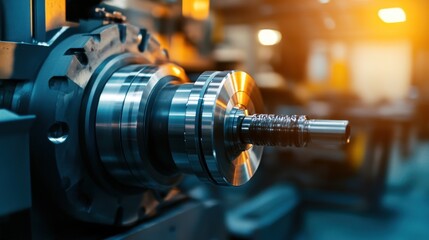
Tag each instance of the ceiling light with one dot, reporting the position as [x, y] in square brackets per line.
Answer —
[269, 37]
[324, 1]
[392, 15]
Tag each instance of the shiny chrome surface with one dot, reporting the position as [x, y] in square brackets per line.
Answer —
[293, 130]
[226, 92]
[328, 132]
[192, 135]
[177, 128]
[121, 122]
[202, 122]
[108, 123]
[153, 125]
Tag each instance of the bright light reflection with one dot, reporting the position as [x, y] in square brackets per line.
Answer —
[269, 37]
[392, 15]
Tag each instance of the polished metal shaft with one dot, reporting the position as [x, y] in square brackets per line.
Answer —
[149, 128]
[292, 130]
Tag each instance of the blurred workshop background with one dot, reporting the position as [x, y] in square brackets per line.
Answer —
[366, 61]
[362, 60]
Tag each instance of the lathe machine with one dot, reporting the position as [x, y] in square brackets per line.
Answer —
[98, 128]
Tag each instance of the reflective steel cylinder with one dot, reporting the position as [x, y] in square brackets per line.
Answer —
[152, 125]
[292, 130]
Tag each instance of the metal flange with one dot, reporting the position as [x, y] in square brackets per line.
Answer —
[210, 149]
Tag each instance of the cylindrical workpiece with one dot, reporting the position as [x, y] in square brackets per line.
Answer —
[292, 130]
[328, 132]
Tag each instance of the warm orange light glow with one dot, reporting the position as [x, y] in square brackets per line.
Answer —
[392, 15]
[196, 9]
[55, 13]
[176, 70]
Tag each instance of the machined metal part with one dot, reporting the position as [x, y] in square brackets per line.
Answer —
[122, 124]
[293, 130]
[208, 128]
[223, 138]
[65, 158]
[199, 119]
[117, 125]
